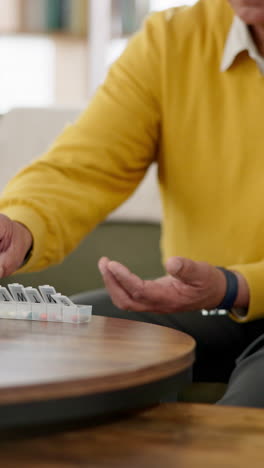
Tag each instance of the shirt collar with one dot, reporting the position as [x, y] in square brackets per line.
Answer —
[238, 40]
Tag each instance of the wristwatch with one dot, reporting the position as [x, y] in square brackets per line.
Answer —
[231, 289]
[231, 294]
[239, 312]
[27, 256]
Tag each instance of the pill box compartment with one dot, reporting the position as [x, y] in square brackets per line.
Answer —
[77, 314]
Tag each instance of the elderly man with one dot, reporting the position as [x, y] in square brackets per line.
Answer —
[188, 92]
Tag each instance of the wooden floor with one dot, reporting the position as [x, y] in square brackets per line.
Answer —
[177, 435]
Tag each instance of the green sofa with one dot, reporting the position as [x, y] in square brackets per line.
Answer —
[134, 244]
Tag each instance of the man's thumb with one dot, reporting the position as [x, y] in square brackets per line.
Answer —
[186, 270]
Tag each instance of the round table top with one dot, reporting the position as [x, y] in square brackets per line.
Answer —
[42, 361]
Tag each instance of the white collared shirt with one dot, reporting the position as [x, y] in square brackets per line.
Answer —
[238, 40]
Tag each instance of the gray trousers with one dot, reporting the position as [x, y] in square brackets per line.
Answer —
[226, 351]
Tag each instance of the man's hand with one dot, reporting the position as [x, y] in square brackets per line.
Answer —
[189, 286]
[15, 241]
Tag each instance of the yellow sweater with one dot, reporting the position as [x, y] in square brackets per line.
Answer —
[165, 99]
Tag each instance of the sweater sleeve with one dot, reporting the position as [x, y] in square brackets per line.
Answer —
[254, 274]
[97, 162]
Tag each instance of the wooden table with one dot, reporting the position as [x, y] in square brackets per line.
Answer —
[176, 435]
[52, 372]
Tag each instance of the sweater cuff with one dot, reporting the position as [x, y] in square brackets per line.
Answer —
[36, 225]
[254, 275]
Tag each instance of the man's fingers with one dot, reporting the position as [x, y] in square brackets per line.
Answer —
[6, 232]
[121, 297]
[131, 283]
[7, 264]
[147, 293]
[102, 264]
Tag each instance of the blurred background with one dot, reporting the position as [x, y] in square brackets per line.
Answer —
[56, 52]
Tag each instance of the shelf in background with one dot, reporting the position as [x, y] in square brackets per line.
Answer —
[70, 16]
[52, 35]
[49, 76]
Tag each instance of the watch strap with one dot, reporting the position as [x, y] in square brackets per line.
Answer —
[231, 289]
[27, 256]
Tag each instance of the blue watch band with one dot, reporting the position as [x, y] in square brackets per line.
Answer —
[231, 289]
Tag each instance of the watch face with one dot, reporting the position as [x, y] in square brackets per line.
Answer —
[239, 312]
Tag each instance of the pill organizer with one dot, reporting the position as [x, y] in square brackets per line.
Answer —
[42, 304]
